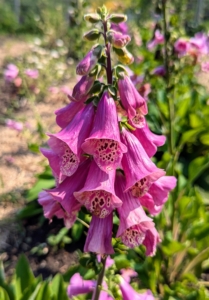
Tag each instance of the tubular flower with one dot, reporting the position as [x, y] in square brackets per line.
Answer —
[104, 140]
[140, 171]
[134, 104]
[79, 286]
[63, 194]
[135, 227]
[100, 235]
[89, 61]
[81, 89]
[157, 40]
[67, 143]
[67, 113]
[117, 39]
[53, 208]
[130, 294]
[98, 194]
[149, 140]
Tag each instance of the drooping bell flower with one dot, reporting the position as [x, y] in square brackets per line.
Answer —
[129, 293]
[160, 189]
[89, 61]
[135, 227]
[52, 208]
[79, 286]
[157, 40]
[67, 113]
[98, 193]
[11, 72]
[181, 46]
[127, 274]
[200, 43]
[134, 104]
[148, 202]
[12, 124]
[140, 171]
[159, 71]
[149, 140]
[104, 140]
[121, 27]
[100, 235]
[63, 194]
[117, 39]
[67, 143]
[32, 73]
[81, 89]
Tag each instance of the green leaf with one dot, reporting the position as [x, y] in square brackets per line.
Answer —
[190, 135]
[204, 138]
[122, 262]
[195, 120]
[77, 231]
[199, 231]
[3, 294]
[170, 248]
[42, 292]
[38, 187]
[197, 166]
[58, 288]
[32, 209]
[2, 275]
[24, 273]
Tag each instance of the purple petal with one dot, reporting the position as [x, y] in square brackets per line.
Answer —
[100, 236]
[79, 286]
[67, 113]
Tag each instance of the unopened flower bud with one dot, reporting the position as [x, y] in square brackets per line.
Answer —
[92, 35]
[92, 18]
[89, 61]
[117, 39]
[124, 56]
[118, 18]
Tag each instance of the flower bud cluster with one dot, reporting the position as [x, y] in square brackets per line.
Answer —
[101, 157]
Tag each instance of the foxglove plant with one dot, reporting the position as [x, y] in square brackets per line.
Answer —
[101, 157]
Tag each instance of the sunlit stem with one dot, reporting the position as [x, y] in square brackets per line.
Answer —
[100, 279]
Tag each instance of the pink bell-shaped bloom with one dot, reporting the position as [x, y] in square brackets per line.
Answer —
[98, 194]
[89, 61]
[148, 202]
[181, 46]
[129, 293]
[127, 274]
[159, 71]
[53, 159]
[53, 208]
[104, 140]
[149, 140]
[140, 171]
[67, 143]
[121, 27]
[157, 40]
[133, 102]
[67, 113]
[200, 43]
[135, 227]
[81, 89]
[11, 73]
[117, 39]
[79, 286]
[160, 189]
[63, 194]
[99, 235]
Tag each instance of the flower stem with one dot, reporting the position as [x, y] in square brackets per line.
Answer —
[100, 279]
[108, 46]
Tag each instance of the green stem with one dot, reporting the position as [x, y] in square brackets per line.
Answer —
[100, 279]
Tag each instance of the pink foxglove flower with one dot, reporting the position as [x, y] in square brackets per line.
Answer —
[11, 72]
[205, 67]
[98, 194]
[81, 89]
[63, 194]
[161, 188]
[79, 286]
[127, 274]
[200, 43]
[133, 102]
[148, 201]
[89, 61]
[117, 39]
[181, 46]
[104, 140]
[129, 293]
[32, 73]
[140, 171]
[67, 113]
[53, 208]
[159, 71]
[67, 143]
[14, 124]
[157, 40]
[121, 27]
[149, 140]
[100, 236]
[135, 227]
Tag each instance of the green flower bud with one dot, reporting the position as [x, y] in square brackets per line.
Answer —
[92, 18]
[124, 56]
[117, 18]
[92, 35]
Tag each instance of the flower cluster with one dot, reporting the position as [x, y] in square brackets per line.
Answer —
[101, 157]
